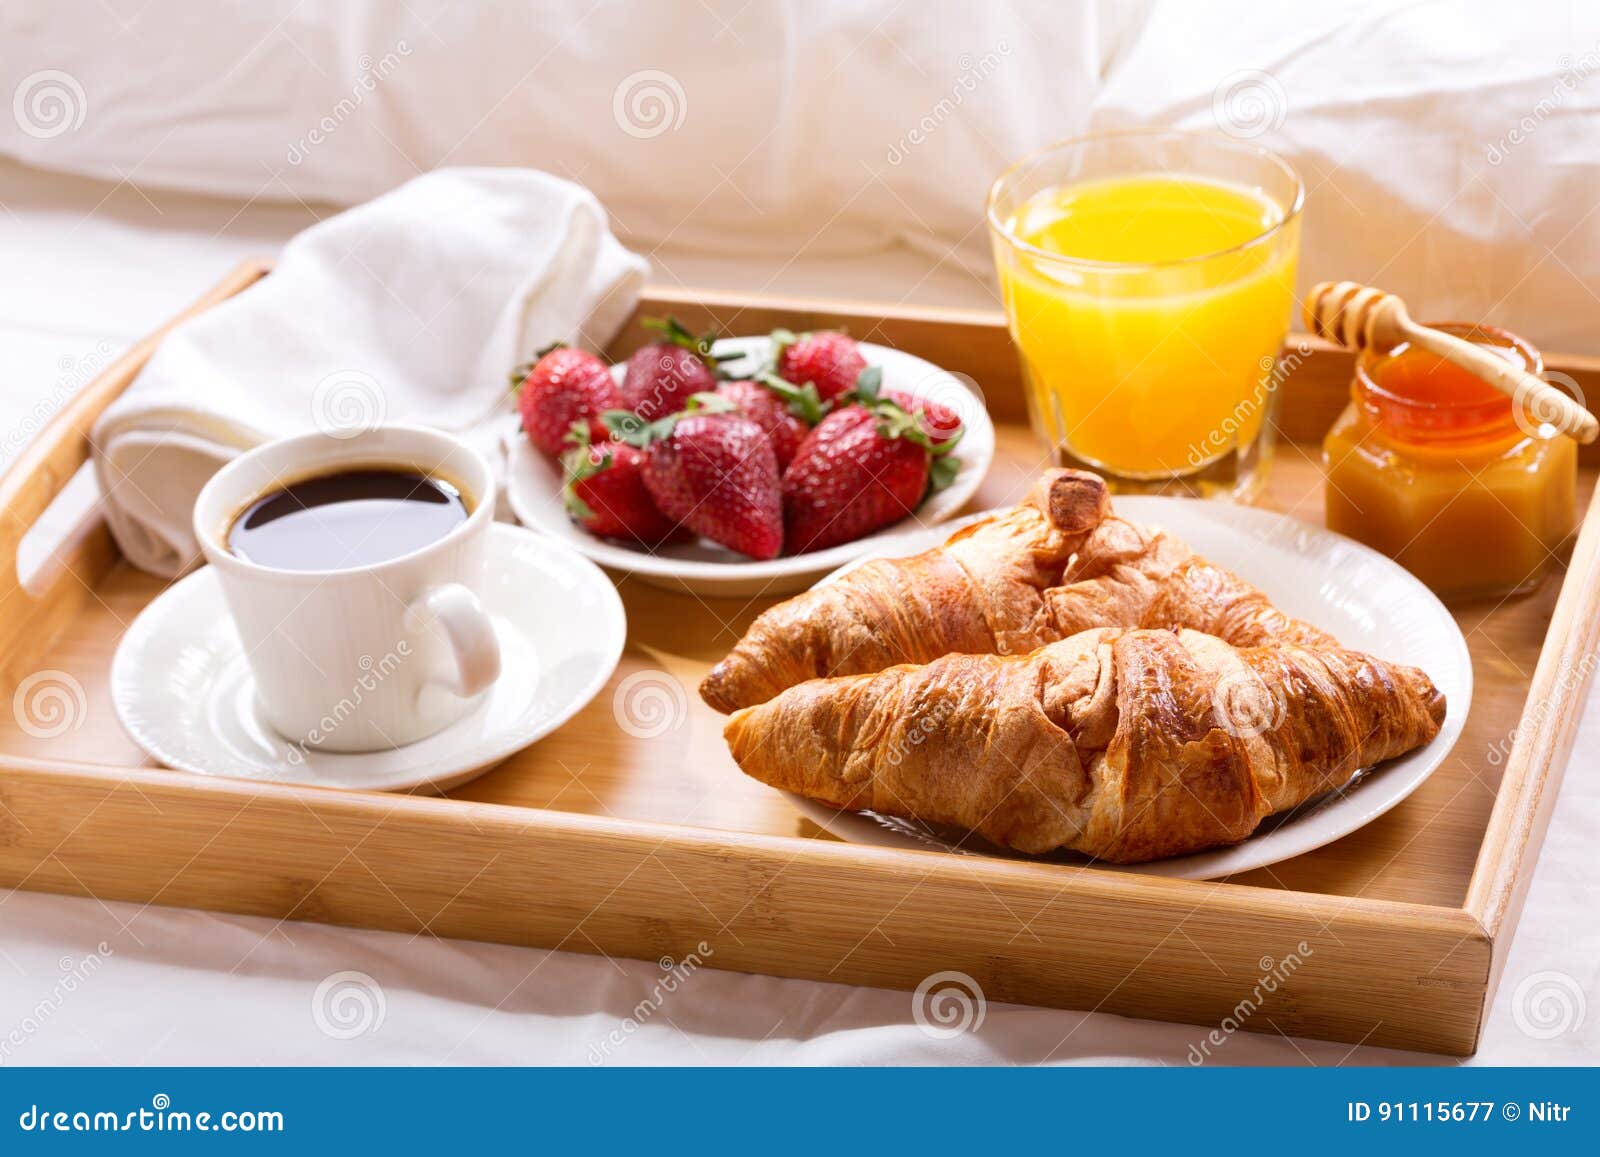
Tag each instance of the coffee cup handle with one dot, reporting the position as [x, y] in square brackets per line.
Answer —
[470, 633]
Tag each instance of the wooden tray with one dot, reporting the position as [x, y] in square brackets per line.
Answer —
[599, 841]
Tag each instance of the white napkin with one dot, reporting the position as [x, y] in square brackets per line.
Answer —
[411, 308]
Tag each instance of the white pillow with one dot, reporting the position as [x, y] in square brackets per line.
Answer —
[1451, 151]
[1449, 148]
[733, 125]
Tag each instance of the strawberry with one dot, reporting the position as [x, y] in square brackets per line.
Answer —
[712, 470]
[938, 421]
[831, 361]
[605, 491]
[565, 387]
[785, 412]
[863, 467]
[941, 423]
[662, 376]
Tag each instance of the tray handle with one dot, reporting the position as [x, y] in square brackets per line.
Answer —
[33, 613]
[1541, 747]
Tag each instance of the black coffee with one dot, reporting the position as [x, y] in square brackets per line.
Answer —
[348, 519]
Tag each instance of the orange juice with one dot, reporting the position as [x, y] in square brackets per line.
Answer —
[1148, 308]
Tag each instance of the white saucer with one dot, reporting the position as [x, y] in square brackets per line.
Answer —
[183, 690]
[533, 487]
[1368, 602]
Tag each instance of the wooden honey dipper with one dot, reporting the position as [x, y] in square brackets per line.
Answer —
[1360, 317]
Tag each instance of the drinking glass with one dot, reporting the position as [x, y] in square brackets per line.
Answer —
[1148, 281]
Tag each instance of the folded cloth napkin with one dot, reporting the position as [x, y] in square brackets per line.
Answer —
[411, 308]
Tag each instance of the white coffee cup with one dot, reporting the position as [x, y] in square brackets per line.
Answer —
[370, 657]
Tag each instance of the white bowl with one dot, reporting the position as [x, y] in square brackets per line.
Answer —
[533, 487]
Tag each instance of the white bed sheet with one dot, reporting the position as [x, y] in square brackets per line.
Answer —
[1447, 145]
[90, 268]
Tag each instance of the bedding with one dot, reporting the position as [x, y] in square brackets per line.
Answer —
[759, 130]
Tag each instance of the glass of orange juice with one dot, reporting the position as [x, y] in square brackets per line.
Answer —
[1148, 279]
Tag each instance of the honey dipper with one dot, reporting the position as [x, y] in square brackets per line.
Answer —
[1359, 317]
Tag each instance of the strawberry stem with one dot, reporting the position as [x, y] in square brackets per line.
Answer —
[520, 371]
[895, 422]
[676, 333]
[782, 339]
[943, 448]
[803, 401]
[578, 464]
[626, 426]
[868, 392]
[868, 384]
[576, 506]
[673, 330]
[942, 472]
[708, 403]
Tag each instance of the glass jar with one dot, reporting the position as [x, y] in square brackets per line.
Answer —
[1441, 472]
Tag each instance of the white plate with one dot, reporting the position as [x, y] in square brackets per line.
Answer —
[1368, 602]
[533, 487]
[183, 689]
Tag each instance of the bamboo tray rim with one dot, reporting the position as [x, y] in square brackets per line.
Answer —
[1501, 867]
[1482, 896]
[478, 816]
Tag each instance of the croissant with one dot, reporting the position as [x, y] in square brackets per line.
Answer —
[1058, 563]
[1125, 745]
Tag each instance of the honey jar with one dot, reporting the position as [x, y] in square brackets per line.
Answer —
[1443, 473]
